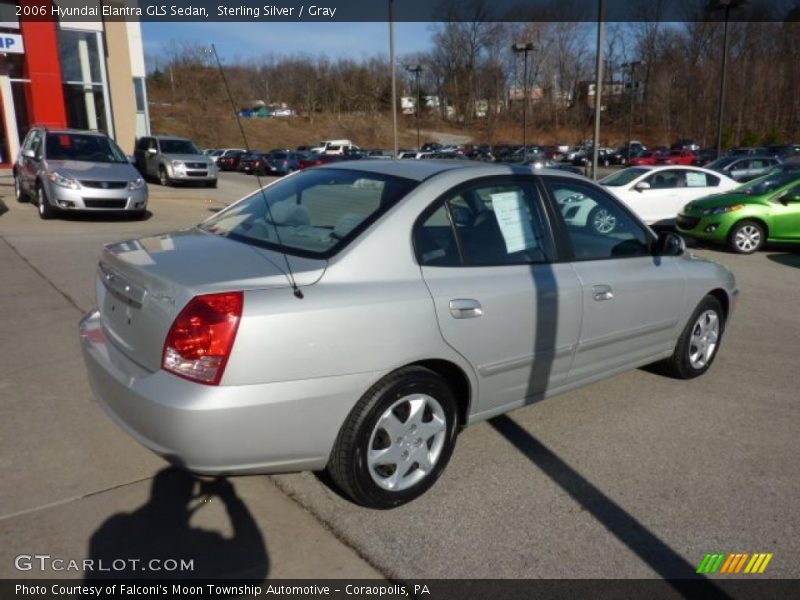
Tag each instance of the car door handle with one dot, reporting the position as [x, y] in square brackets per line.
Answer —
[602, 292]
[465, 308]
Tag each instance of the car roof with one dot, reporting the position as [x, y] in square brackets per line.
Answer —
[420, 170]
[67, 130]
[174, 137]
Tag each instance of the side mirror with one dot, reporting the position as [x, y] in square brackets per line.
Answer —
[670, 244]
[29, 153]
[152, 151]
[641, 186]
[788, 197]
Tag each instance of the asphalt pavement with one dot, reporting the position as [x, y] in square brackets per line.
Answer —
[636, 476]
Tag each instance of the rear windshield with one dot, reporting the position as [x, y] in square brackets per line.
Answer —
[769, 184]
[314, 213]
[623, 177]
[180, 147]
[84, 148]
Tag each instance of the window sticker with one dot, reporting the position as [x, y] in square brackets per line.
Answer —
[514, 220]
[695, 179]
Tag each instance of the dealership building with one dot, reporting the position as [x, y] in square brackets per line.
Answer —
[86, 75]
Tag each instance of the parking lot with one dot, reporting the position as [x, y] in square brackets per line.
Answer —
[638, 476]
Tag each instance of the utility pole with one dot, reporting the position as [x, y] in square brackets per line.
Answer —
[416, 69]
[598, 92]
[725, 5]
[632, 65]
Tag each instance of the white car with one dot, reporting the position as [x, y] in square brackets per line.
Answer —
[217, 154]
[658, 193]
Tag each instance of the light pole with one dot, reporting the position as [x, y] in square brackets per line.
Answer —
[598, 92]
[725, 5]
[416, 69]
[524, 49]
[394, 76]
[632, 65]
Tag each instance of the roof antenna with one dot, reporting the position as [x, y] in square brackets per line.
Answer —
[289, 274]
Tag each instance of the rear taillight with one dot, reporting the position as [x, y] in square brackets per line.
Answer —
[200, 340]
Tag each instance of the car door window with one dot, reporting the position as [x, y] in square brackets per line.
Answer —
[700, 179]
[597, 226]
[485, 225]
[666, 180]
[34, 142]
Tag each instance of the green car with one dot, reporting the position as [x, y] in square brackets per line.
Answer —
[764, 210]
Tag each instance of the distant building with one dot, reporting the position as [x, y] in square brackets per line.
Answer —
[587, 89]
[86, 75]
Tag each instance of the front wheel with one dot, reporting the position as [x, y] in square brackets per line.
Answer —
[46, 211]
[698, 345]
[746, 237]
[601, 220]
[19, 193]
[211, 184]
[163, 178]
[397, 440]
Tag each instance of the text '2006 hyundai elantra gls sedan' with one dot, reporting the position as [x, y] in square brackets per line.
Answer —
[354, 318]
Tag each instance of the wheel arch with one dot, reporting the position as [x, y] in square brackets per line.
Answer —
[757, 219]
[456, 378]
[722, 295]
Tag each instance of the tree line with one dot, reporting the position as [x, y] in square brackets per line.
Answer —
[475, 80]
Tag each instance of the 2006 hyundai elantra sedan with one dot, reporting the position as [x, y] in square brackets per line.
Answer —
[355, 317]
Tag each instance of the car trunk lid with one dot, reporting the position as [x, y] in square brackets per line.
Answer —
[143, 284]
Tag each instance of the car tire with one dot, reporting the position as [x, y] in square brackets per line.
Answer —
[43, 206]
[408, 416]
[137, 215]
[163, 178]
[211, 184]
[601, 220]
[746, 237]
[19, 193]
[700, 339]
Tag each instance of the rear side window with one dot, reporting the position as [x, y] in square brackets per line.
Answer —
[488, 224]
[596, 224]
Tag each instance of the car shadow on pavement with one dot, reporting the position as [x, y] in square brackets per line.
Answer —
[104, 217]
[625, 527]
[788, 259]
[159, 535]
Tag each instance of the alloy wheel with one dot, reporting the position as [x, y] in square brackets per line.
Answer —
[747, 238]
[704, 339]
[406, 442]
[603, 221]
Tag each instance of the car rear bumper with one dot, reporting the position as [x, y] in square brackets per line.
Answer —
[220, 430]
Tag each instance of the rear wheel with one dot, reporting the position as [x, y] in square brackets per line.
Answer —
[46, 211]
[397, 440]
[698, 345]
[746, 237]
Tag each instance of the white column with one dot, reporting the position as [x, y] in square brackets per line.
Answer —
[88, 88]
[9, 119]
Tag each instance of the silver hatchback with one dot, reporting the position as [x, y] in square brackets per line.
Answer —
[67, 170]
[355, 317]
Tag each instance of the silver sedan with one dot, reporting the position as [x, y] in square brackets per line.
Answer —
[355, 317]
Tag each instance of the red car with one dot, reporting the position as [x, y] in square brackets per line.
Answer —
[317, 159]
[229, 162]
[677, 157]
[648, 157]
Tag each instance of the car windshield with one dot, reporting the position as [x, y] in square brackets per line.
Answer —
[315, 213]
[278, 156]
[83, 148]
[623, 177]
[179, 147]
[769, 184]
[721, 163]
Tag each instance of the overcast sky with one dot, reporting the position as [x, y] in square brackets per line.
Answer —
[252, 40]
